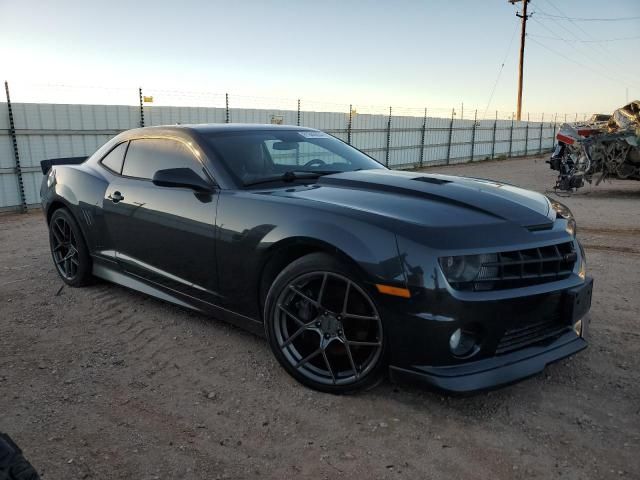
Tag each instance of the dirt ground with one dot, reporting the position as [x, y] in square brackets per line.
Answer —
[107, 383]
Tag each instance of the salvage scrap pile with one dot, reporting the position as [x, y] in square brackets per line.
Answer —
[605, 146]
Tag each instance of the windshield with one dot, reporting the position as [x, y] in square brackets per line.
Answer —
[284, 155]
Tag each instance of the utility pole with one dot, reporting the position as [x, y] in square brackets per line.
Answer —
[523, 31]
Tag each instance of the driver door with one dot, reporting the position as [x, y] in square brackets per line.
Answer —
[164, 235]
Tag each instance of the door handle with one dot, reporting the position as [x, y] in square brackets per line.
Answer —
[116, 197]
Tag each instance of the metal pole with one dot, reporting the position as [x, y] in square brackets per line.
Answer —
[511, 137]
[555, 126]
[541, 127]
[226, 100]
[453, 112]
[16, 153]
[141, 107]
[349, 124]
[493, 140]
[298, 113]
[424, 129]
[386, 161]
[526, 138]
[473, 134]
[523, 35]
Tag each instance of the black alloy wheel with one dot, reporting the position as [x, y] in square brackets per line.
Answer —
[324, 327]
[69, 252]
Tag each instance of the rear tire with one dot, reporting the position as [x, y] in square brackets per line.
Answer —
[323, 326]
[68, 249]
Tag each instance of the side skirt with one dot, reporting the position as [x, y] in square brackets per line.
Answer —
[110, 272]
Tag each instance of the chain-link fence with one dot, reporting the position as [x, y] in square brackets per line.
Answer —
[65, 126]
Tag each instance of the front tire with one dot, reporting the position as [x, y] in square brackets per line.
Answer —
[323, 326]
[68, 249]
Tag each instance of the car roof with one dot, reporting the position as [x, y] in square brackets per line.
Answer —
[205, 128]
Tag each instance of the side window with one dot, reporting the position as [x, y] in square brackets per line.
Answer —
[113, 160]
[148, 155]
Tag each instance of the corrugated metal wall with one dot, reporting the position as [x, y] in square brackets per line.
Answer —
[58, 130]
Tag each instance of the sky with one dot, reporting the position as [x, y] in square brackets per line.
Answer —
[407, 53]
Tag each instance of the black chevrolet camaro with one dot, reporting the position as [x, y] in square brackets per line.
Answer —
[348, 269]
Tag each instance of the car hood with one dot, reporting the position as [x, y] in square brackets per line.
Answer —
[428, 199]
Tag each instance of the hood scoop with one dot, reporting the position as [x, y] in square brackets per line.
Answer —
[432, 180]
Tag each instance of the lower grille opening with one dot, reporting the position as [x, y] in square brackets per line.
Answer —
[525, 335]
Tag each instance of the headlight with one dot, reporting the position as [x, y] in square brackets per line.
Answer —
[563, 211]
[467, 268]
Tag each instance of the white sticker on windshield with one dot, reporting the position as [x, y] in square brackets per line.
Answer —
[314, 134]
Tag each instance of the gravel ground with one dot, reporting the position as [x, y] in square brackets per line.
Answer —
[104, 383]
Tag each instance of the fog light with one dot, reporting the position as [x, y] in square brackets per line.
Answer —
[454, 341]
[462, 343]
[577, 327]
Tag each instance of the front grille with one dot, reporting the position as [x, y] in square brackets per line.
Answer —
[516, 338]
[521, 268]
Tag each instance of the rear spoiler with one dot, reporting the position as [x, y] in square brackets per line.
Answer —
[47, 164]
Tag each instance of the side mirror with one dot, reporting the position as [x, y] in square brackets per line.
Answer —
[181, 178]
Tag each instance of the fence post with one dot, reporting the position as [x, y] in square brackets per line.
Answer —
[298, 113]
[453, 112]
[141, 107]
[349, 124]
[540, 143]
[386, 160]
[424, 129]
[511, 137]
[493, 140]
[555, 126]
[226, 108]
[526, 138]
[16, 153]
[473, 134]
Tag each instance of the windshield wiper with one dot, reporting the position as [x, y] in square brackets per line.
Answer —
[291, 175]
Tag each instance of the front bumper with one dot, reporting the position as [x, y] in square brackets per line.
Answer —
[492, 372]
[419, 350]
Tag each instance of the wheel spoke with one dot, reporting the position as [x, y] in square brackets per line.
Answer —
[56, 235]
[364, 344]
[326, 361]
[295, 335]
[346, 299]
[291, 315]
[324, 282]
[60, 228]
[306, 297]
[359, 317]
[308, 357]
[353, 364]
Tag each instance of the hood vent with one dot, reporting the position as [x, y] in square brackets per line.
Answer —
[432, 180]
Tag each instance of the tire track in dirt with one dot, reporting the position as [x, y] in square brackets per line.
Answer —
[611, 248]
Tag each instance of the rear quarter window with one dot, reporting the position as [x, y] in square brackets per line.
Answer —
[113, 160]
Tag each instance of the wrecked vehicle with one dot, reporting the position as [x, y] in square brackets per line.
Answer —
[605, 146]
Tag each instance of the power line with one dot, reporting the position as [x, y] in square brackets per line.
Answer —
[493, 91]
[577, 19]
[586, 41]
[622, 71]
[577, 63]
